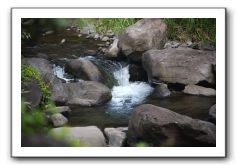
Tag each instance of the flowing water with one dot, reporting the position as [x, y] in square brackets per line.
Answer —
[125, 95]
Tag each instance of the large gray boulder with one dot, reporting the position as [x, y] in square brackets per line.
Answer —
[116, 136]
[45, 69]
[199, 90]
[181, 65]
[158, 126]
[87, 93]
[146, 34]
[84, 69]
[90, 136]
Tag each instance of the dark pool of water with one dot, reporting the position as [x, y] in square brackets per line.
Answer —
[194, 106]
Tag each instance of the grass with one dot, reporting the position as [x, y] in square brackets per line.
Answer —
[191, 29]
[102, 25]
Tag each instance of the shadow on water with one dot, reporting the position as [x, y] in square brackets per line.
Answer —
[106, 115]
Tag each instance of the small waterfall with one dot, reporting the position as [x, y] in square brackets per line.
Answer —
[127, 94]
[60, 73]
[122, 76]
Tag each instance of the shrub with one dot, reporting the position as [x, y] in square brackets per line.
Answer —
[28, 73]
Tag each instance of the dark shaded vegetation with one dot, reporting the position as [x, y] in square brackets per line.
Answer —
[191, 29]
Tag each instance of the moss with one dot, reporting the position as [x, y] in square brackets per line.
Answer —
[109, 79]
[29, 73]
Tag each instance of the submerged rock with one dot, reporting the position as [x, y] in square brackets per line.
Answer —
[90, 136]
[84, 69]
[198, 90]
[146, 34]
[181, 65]
[158, 126]
[116, 136]
[161, 91]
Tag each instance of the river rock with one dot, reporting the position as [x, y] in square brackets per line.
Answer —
[84, 69]
[113, 50]
[146, 34]
[212, 114]
[116, 136]
[45, 69]
[181, 65]
[161, 91]
[31, 94]
[90, 136]
[198, 90]
[105, 39]
[58, 119]
[158, 126]
[172, 44]
[87, 93]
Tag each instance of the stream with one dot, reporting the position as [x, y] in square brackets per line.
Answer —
[125, 95]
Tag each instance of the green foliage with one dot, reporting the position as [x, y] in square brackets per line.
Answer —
[28, 73]
[194, 29]
[114, 24]
[33, 121]
[25, 35]
[102, 25]
[142, 144]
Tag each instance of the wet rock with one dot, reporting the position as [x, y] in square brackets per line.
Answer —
[58, 119]
[161, 91]
[116, 136]
[90, 136]
[79, 35]
[31, 94]
[181, 65]
[113, 50]
[87, 93]
[171, 44]
[64, 110]
[105, 38]
[85, 69]
[48, 33]
[158, 126]
[85, 31]
[212, 114]
[96, 36]
[146, 34]
[198, 90]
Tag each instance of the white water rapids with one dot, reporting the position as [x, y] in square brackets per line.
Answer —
[126, 94]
